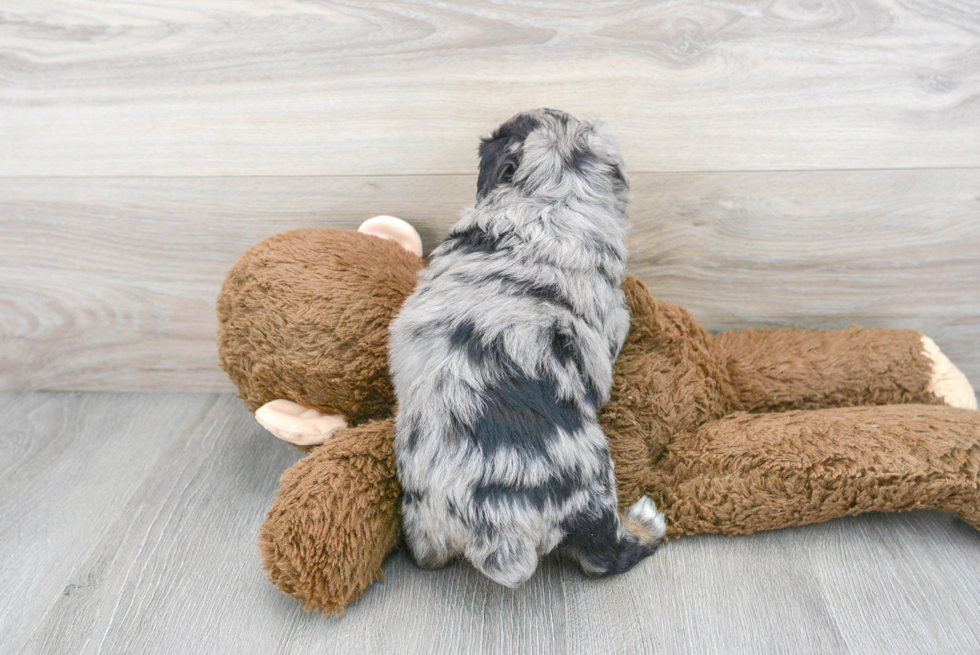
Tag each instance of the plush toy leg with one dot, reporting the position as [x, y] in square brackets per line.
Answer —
[335, 517]
[296, 424]
[775, 370]
[751, 472]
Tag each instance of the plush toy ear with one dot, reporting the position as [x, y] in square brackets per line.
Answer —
[389, 227]
[297, 424]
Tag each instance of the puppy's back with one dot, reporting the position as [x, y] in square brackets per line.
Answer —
[501, 358]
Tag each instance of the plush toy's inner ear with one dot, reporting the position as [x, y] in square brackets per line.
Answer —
[297, 424]
[399, 231]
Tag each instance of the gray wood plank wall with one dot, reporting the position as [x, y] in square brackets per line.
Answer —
[813, 164]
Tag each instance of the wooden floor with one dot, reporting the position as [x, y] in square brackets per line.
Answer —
[128, 525]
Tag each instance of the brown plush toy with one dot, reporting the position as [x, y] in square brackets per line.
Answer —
[732, 433]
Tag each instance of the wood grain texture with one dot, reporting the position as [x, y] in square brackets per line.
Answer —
[110, 284]
[371, 88]
[174, 571]
[68, 466]
[818, 249]
[145, 543]
[882, 562]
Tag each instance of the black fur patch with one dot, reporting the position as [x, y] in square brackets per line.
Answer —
[453, 509]
[548, 293]
[561, 116]
[493, 561]
[499, 158]
[471, 240]
[614, 349]
[555, 490]
[565, 350]
[462, 335]
[608, 277]
[617, 175]
[522, 412]
[584, 163]
[607, 250]
[595, 535]
[478, 351]
[580, 161]
[412, 440]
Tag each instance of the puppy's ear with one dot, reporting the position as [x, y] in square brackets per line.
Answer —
[499, 159]
[603, 145]
[500, 153]
[619, 174]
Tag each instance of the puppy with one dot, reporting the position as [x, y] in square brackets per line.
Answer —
[503, 354]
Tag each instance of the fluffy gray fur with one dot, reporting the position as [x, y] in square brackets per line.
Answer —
[503, 354]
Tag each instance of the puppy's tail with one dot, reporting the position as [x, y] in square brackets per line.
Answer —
[610, 544]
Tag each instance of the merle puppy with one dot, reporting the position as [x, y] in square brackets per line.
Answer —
[503, 354]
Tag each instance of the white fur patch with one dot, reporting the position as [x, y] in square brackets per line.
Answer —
[947, 381]
[644, 511]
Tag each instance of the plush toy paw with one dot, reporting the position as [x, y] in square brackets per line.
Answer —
[389, 227]
[297, 424]
[947, 381]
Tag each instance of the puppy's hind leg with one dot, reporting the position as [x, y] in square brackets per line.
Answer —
[508, 562]
[606, 543]
[426, 551]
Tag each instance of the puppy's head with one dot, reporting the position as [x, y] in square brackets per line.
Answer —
[550, 154]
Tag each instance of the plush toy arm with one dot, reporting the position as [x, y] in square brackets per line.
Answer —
[774, 370]
[335, 517]
[750, 472]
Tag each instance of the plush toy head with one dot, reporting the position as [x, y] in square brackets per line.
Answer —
[304, 316]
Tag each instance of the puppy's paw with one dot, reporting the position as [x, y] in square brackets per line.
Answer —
[430, 559]
[510, 563]
[644, 514]
[946, 381]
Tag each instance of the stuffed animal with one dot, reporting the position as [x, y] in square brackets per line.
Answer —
[732, 433]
